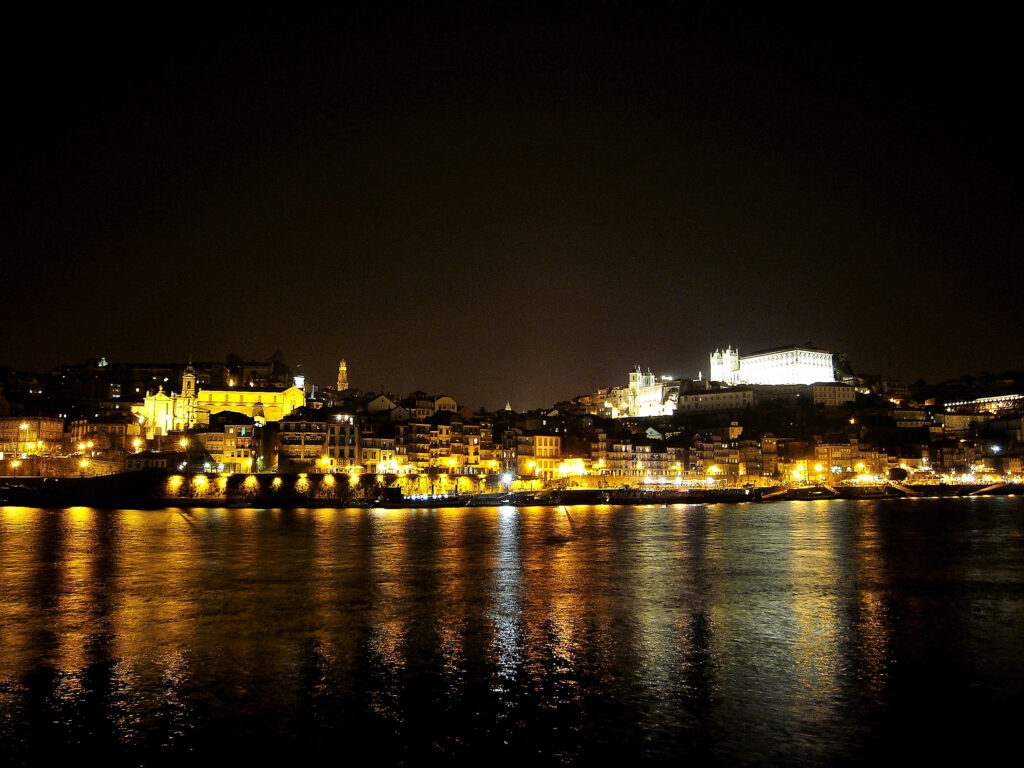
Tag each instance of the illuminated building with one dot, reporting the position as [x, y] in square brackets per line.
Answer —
[645, 395]
[988, 404]
[649, 396]
[538, 456]
[230, 446]
[639, 458]
[30, 435]
[377, 452]
[422, 406]
[112, 432]
[260, 404]
[163, 413]
[782, 365]
[343, 443]
[342, 376]
[301, 442]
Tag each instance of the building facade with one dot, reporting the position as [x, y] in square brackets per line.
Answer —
[782, 365]
[162, 413]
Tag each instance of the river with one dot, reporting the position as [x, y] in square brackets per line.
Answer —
[792, 633]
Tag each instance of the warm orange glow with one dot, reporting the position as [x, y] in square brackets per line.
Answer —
[572, 467]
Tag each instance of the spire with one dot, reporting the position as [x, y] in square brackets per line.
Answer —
[342, 376]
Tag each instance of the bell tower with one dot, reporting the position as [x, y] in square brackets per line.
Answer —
[188, 382]
[342, 376]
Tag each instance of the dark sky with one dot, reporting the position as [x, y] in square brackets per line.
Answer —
[515, 203]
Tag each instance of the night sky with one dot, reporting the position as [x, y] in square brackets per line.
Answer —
[515, 203]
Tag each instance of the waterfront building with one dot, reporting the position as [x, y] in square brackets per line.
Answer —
[164, 460]
[301, 442]
[377, 451]
[120, 432]
[31, 435]
[231, 444]
[344, 442]
[538, 455]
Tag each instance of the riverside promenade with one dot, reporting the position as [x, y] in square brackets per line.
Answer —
[158, 489]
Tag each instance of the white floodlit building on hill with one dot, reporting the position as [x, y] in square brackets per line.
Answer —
[783, 365]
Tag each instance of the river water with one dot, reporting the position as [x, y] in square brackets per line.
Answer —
[793, 633]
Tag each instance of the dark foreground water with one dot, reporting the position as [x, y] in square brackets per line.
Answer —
[789, 633]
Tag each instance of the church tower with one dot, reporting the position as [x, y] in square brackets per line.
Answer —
[184, 405]
[342, 376]
[188, 382]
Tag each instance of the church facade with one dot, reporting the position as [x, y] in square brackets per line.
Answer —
[162, 413]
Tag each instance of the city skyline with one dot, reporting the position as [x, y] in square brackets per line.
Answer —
[505, 205]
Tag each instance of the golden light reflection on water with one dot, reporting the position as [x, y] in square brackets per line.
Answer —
[816, 611]
[756, 622]
[506, 609]
[872, 620]
[775, 593]
[389, 607]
